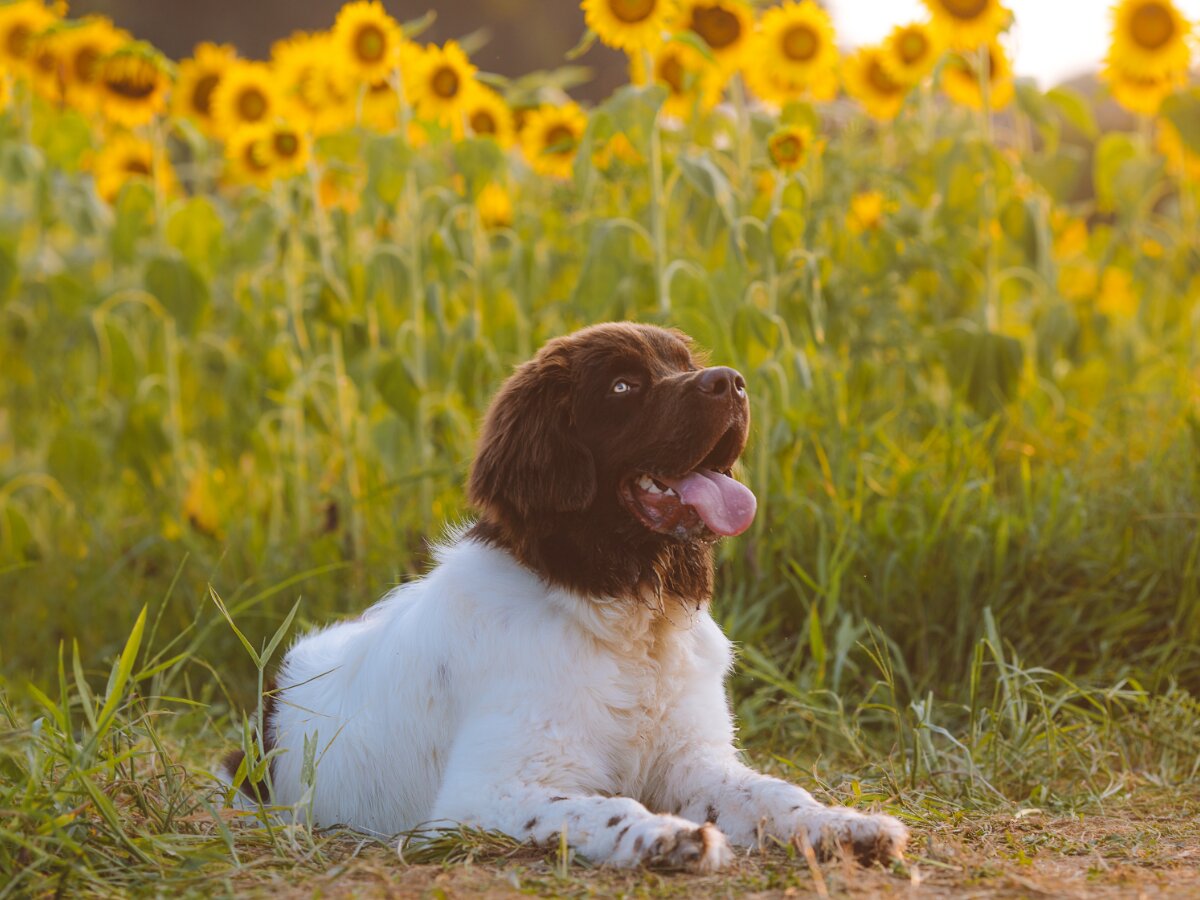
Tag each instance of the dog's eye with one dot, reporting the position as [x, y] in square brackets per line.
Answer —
[623, 386]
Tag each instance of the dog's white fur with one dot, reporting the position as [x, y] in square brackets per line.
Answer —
[482, 695]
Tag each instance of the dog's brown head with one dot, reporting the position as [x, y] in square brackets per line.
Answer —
[604, 463]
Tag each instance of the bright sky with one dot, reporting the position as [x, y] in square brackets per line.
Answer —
[1052, 40]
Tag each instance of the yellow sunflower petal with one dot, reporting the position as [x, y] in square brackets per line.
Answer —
[693, 83]
[868, 82]
[725, 26]
[133, 84]
[367, 40]
[443, 83]
[199, 78]
[246, 96]
[1149, 38]
[550, 136]
[794, 50]
[124, 157]
[911, 51]
[962, 84]
[965, 24]
[629, 25]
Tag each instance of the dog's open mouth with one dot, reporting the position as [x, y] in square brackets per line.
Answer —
[702, 503]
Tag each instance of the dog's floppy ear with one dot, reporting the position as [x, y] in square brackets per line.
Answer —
[529, 461]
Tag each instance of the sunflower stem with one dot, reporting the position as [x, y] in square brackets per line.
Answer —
[992, 261]
[658, 212]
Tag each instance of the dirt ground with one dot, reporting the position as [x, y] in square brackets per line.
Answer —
[1120, 853]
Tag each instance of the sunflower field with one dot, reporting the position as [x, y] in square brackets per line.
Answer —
[251, 312]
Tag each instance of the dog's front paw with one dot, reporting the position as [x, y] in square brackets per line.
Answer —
[673, 843]
[870, 838]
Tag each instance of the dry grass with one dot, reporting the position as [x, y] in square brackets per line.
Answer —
[1142, 846]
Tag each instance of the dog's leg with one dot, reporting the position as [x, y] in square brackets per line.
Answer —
[614, 831]
[748, 806]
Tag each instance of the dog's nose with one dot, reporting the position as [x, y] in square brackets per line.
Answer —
[719, 380]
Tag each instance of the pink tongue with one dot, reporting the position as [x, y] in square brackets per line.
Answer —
[726, 506]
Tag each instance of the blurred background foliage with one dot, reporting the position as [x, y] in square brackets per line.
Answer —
[252, 351]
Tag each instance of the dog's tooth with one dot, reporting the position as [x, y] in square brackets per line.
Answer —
[654, 488]
[646, 483]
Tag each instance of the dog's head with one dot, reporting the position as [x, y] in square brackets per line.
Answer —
[605, 461]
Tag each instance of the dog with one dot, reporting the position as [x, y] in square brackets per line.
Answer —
[558, 669]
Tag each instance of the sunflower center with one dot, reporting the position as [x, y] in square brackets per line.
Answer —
[135, 83]
[880, 79]
[800, 43]
[17, 42]
[964, 9]
[718, 27]
[253, 159]
[672, 73]
[483, 122]
[137, 167]
[913, 46]
[46, 62]
[787, 149]
[370, 43]
[445, 82]
[285, 144]
[251, 104]
[1152, 26]
[631, 11]
[560, 139]
[84, 63]
[202, 93]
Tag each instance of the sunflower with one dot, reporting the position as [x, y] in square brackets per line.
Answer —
[45, 66]
[1149, 38]
[868, 81]
[20, 24]
[911, 51]
[962, 84]
[198, 81]
[629, 25]
[788, 147]
[287, 149]
[133, 83]
[248, 154]
[367, 39]
[443, 81]
[124, 158]
[83, 45]
[245, 96]
[964, 24]
[725, 26]
[794, 48]
[487, 115]
[866, 212]
[550, 136]
[1141, 94]
[381, 105]
[495, 206]
[768, 85]
[692, 81]
[313, 92]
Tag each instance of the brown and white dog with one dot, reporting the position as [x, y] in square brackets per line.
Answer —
[558, 668]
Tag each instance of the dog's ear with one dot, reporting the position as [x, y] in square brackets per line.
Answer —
[529, 460]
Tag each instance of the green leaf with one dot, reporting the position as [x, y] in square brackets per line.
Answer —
[985, 367]
[134, 219]
[397, 385]
[75, 458]
[1183, 111]
[388, 159]
[706, 177]
[1123, 174]
[120, 675]
[195, 229]
[179, 288]
[1074, 108]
